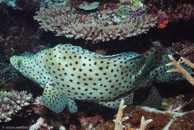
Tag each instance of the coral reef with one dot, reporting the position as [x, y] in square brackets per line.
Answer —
[171, 11]
[22, 4]
[182, 49]
[99, 26]
[182, 70]
[11, 103]
[117, 26]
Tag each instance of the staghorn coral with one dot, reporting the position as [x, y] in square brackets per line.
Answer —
[97, 27]
[120, 119]
[181, 69]
[11, 103]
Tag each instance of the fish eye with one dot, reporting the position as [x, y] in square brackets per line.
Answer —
[19, 64]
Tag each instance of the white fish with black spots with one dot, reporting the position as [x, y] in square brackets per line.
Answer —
[68, 72]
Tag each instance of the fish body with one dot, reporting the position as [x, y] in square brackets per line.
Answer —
[80, 74]
[68, 73]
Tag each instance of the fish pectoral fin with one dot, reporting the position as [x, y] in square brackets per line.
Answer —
[54, 99]
[71, 106]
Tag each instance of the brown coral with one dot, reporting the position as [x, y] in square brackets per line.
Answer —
[97, 27]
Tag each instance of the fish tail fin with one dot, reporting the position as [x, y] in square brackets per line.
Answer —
[159, 71]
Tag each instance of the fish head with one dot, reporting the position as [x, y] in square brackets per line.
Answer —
[18, 63]
[25, 65]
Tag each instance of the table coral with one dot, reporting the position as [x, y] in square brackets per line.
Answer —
[99, 26]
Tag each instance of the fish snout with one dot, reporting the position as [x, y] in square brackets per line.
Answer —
[16, 61]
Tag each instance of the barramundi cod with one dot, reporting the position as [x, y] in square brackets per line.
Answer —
[68, 73]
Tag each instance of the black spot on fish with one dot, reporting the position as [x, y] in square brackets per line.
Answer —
[104, 73]
[100, 68]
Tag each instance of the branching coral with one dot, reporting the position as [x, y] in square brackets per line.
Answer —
[11, 103]
[97, 27]
[119, 119]
[180, 69]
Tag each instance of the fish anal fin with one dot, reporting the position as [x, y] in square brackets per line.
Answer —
[71, 106]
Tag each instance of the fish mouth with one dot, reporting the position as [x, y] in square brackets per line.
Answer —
[13, 60]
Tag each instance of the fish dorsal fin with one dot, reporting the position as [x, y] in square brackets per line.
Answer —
[78, 49]
[128, 55]
[54, 99]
